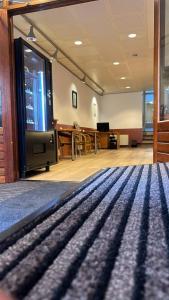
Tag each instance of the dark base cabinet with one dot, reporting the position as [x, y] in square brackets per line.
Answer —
[37, 143]
[40, 151]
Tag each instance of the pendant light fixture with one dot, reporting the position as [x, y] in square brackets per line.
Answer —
[31, 36]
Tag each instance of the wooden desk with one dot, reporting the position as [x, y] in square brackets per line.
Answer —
[104, 139]
[72, 133]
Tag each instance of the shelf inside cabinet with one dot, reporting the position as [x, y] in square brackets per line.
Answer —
[29, 107]
[30, 75]
[30, 122]
[28, 92]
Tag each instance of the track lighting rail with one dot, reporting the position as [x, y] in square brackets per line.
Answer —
[58, 49]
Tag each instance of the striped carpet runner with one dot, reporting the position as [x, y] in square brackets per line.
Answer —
[108, 240]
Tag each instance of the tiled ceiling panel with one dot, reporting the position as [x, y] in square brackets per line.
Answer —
[103, 27]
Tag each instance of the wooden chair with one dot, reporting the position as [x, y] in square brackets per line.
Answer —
[86, 143]
[83, 140]
[82, 144]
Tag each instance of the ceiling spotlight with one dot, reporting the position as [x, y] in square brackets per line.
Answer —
[84, 79]
[28, 50]
[123, 78]
[31, 36]
[128, 87]
[116, 63]
[55, 54]
[78, 43]
[132, 35]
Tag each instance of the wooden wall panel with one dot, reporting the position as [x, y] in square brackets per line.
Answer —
[2, 158]
[163, 126]
[133, 133]
[162, 157]
[1, 147]
[2, 163]
[163, 147]
[163, 137]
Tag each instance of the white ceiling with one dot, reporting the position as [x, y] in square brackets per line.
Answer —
[103, 27]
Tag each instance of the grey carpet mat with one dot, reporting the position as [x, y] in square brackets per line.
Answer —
[108, 240]
[21, 199]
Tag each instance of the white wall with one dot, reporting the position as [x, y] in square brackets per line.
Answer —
[123, 110]
[87, 112]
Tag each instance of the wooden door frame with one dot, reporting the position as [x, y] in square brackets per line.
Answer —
[156, 74]
[161, 128]
[9, 164]
[40, 5]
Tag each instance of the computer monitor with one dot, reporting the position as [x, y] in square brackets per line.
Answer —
[103, 127]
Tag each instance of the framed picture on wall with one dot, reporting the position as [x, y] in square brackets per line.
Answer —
[74, 99]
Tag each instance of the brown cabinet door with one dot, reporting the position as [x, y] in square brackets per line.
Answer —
[161, 82]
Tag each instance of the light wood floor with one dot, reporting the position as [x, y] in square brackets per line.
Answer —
[84, 166]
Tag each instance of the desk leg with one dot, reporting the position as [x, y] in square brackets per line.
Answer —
[118, 141]
[95, 142]
[73, 148]
[57, 147]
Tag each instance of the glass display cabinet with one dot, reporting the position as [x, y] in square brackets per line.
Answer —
[34, 108]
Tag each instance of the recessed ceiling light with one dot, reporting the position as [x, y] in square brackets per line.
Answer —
[128, 87]
[132, 35]
[123, 78]
[78, 43]
[116, 63]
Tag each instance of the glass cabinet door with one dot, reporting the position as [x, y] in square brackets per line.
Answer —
[164, 61]
[35, 91]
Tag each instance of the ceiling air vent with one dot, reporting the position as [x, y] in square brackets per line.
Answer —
[134, 54]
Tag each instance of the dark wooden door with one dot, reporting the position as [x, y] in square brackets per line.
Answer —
[161, 81]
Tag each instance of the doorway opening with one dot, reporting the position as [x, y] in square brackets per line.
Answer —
[148, 103]
[108, 72]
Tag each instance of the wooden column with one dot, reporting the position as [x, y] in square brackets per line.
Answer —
[9, 163]
[156, 72]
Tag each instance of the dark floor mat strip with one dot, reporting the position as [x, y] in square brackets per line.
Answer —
[17, 253]
[45, 253]
[113, 250]
[97, 282]
[126, 260]
[139, 276]
[164, 207]
[67, 268]
[27, 228]
[156, 263]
